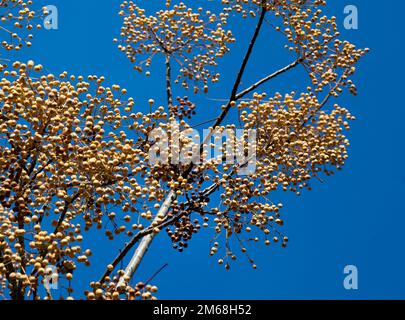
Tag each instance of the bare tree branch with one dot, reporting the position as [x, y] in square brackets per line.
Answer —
[267, 78]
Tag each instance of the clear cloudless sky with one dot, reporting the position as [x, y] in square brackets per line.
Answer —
[355, 218]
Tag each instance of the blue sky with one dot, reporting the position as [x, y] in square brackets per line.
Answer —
[355, 218]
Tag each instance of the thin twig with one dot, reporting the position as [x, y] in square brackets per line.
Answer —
[241, 72]
[267, 78]
[169, 84]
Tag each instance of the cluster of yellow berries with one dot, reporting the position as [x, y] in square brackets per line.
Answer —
[315, 38]
[15, 17]
[192, 40]
[250, 7]
[296, 142]
[109, 290]
[66, 162]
